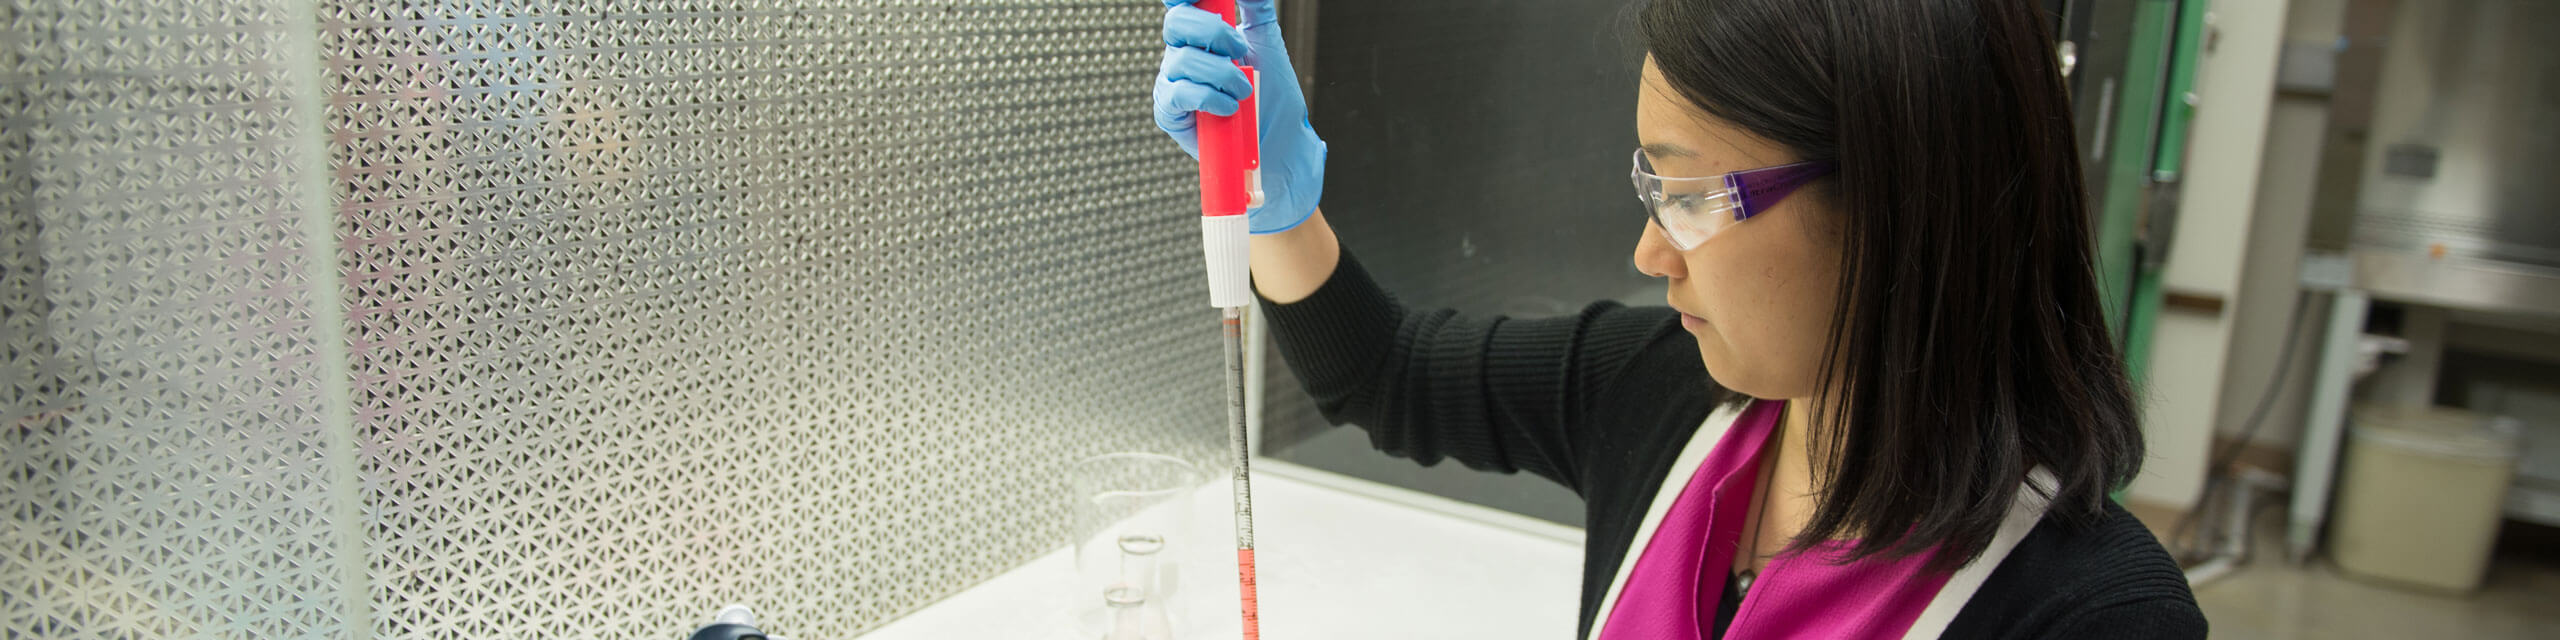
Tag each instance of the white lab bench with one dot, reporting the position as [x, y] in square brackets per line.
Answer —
[1340, 558]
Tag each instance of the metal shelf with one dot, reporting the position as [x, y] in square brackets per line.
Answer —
[2535, 500]
[2489, 286]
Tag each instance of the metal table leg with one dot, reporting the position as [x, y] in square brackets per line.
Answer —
[2315, 468]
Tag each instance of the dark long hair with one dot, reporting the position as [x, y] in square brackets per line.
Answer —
[1969, 346]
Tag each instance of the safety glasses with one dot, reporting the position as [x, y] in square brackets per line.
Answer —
[1690, 210]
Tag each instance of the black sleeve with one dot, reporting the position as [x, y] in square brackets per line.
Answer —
[2160, 618]
[2104, 579]
[1497, 394]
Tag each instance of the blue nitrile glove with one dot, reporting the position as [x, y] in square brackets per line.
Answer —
[1199, 74]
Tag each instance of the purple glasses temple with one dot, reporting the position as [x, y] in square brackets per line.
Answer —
[1690, 210]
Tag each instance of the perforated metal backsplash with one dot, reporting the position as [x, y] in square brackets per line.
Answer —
[439, 318]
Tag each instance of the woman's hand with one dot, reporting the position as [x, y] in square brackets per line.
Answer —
[1199, 74]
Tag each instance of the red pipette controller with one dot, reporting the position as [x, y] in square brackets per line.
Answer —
[1230, 184]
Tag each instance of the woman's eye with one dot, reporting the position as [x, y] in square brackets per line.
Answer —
[1688, 204]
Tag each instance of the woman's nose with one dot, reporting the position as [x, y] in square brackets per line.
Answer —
[1655, 255]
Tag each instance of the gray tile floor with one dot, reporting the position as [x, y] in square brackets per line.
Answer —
[2272, 599]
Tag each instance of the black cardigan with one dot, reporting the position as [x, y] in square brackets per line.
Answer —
[1603, 401]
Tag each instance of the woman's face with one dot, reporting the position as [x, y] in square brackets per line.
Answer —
[1759, 295]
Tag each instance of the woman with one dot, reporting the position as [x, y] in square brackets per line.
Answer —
[1881, 402]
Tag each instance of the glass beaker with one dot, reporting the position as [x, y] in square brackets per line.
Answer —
[1134, 617]
[1133, 522]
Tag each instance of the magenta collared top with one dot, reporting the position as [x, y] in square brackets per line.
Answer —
[1672, 591]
